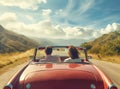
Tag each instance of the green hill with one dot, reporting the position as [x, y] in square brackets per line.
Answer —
[108, 44]
[13, 42]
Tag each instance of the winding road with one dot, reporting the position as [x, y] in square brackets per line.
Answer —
[110, 69]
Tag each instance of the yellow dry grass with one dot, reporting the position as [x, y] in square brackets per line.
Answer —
[6, 59]
[114, 59]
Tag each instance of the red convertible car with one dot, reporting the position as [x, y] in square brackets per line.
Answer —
[60, 75]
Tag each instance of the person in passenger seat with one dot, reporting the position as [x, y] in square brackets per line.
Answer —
[73, 55]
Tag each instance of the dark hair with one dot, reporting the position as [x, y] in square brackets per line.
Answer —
[48, 50]
[73, 52]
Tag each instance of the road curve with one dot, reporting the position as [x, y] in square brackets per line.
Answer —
[112, 70]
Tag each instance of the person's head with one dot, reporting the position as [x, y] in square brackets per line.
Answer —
[48, 50]
[73, 52]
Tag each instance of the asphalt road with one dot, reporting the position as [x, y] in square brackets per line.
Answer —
[4, 78]
[110, 69]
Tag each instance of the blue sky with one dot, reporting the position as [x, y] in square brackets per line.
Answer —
[69, 19]
[96, 13]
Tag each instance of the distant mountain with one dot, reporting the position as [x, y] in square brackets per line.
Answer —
[59, 42]
[108, 44]
[75, 42]
[43, 41]
[13, 42]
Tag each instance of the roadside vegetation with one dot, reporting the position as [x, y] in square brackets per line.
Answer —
[10, 60]
[114, 59]
[12, 42]
[107, 47]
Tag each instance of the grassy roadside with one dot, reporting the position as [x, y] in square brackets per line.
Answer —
[8, 61]
[114, 59]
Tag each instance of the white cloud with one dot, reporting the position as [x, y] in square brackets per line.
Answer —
[45, 29]
[116, 26]
[85, 6]
[8, 17]
[110, 28]
[46, 12]
[24, 4]
[58, 12]
[80, 33]
[29, 17]
[75, 10]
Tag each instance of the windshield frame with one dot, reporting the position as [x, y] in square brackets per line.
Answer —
[42, 48]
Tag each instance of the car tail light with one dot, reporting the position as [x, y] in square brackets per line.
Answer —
[113, 87]
[9, 86]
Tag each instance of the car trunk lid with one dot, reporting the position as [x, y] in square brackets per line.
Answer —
[61, 79]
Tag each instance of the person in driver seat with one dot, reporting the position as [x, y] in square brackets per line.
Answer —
[73, 55]
[49, 57]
